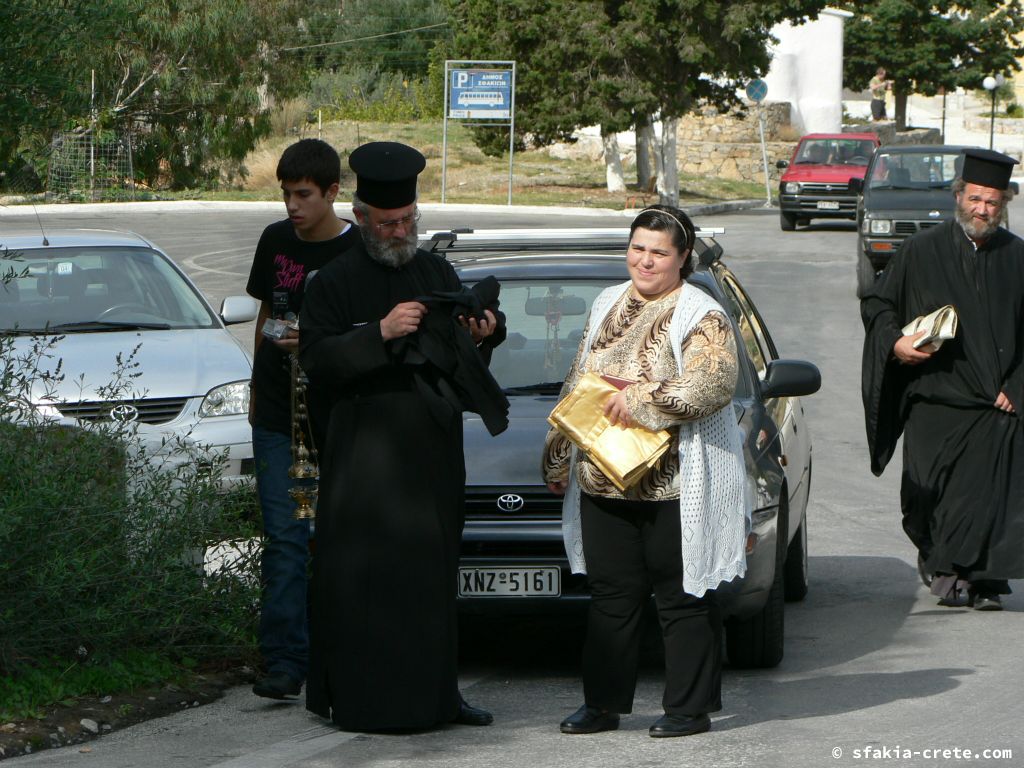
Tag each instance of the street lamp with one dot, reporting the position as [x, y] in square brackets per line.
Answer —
[991, 83]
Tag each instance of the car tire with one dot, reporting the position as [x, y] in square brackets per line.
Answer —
[787, 221]
[795, 570]
[866, 274]
[757, 642]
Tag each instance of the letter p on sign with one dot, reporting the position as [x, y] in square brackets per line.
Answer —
[461, 78]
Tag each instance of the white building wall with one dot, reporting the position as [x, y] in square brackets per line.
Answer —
[807, 71]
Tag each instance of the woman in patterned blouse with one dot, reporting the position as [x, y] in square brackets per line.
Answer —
[631, 539]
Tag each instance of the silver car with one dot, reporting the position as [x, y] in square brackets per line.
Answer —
[103, 301]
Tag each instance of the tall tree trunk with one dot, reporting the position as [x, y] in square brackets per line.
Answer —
[668, 178]
[644, 148]
[900, 97]
[612, 162]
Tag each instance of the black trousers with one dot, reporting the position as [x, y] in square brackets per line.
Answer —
[633, 548]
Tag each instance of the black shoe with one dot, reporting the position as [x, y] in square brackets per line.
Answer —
[589, 720]
[277, 686]
[922, 571]
[985, 602]
[472, 715]
[680, 725]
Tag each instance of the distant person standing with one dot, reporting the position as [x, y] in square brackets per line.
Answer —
[878, 86]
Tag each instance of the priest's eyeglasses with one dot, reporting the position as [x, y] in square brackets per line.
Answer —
[405, 221]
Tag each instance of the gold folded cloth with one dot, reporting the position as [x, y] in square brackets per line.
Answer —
[938, 326]
[623, 454]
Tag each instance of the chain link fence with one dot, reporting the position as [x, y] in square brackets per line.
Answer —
[85, 167]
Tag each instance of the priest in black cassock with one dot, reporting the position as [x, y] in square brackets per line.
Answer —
[958, 407]
[383, 631]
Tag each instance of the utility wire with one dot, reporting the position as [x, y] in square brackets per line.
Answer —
[360, 39]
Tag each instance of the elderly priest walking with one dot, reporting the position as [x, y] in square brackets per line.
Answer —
[959, 406]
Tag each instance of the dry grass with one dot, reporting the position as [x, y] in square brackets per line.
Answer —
[472, 177]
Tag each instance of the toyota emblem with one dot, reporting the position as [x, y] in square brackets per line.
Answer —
[124, 413]
[510, 502]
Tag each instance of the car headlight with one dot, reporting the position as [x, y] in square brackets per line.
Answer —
[790, 187]
[881, 226]
[226, 400]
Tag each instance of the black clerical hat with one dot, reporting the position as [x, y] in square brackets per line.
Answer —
[987, 168]
[386, 173]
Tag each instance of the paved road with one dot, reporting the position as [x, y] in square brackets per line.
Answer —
[871, 662]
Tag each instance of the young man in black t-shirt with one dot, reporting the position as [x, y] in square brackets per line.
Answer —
[288, 253]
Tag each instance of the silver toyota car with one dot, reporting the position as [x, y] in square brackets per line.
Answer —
[102, 302]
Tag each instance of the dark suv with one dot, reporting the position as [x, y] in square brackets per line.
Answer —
[907, 188]
[512, 553]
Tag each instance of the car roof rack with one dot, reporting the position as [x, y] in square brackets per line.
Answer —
[451, 241]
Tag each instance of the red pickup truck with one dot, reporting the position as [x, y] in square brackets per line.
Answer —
[815, 184]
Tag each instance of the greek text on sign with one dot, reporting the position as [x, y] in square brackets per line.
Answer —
[480, 93]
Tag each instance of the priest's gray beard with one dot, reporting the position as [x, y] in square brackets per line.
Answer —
[393, 252]
[976, 230]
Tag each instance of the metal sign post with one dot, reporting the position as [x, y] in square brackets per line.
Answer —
[486, 91]
[756, 91]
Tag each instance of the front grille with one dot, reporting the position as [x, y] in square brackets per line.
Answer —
[825, 190]
[908, 228]
[538, 504]
[151, 410]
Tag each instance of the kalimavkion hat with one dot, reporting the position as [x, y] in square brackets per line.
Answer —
[987, 168]
[386, 173]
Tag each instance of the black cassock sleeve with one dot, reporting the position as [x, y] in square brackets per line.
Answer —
[883, 379]
[330, 347]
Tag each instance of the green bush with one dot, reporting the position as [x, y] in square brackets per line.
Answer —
[368, 94]
[103, 541]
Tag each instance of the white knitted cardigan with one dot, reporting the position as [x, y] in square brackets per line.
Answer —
[714, 494]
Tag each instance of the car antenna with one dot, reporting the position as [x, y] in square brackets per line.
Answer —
[40, 223]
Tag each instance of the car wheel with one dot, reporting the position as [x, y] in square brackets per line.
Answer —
[795, 571]
[866, 274]
[757, 642]
[787, 221]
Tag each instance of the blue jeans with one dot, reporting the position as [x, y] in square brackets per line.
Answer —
[284, 635]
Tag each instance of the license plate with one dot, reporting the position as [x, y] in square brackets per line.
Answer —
[828, 205]
[510, 582]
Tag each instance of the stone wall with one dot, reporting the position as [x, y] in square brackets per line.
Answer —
[728, 146]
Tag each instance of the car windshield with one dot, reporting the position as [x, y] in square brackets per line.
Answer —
[914, 170]
[545, 321]
[834, 152]
[95, 288]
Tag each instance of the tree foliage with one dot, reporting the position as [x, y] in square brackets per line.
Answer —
[189, 78]
[391, 35]
[615, 62]
[926, 46]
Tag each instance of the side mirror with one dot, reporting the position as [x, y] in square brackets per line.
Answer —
[239, 309]
[856, 184]
[782, 164]
[790, 378]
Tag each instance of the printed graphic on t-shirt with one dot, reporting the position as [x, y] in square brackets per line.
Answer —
[288, 274]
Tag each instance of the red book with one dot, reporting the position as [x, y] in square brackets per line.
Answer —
[616, 381]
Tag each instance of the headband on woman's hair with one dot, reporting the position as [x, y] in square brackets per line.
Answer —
[686, 232]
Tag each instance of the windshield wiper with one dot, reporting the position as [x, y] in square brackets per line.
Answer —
[545, 388]
[104, 325]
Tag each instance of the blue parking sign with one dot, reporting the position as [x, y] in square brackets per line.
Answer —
[480, 93]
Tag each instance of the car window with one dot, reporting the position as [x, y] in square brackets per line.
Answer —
[758, 344]
[545, 321]
[57, 286]
[914, 170]
[835, 151]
